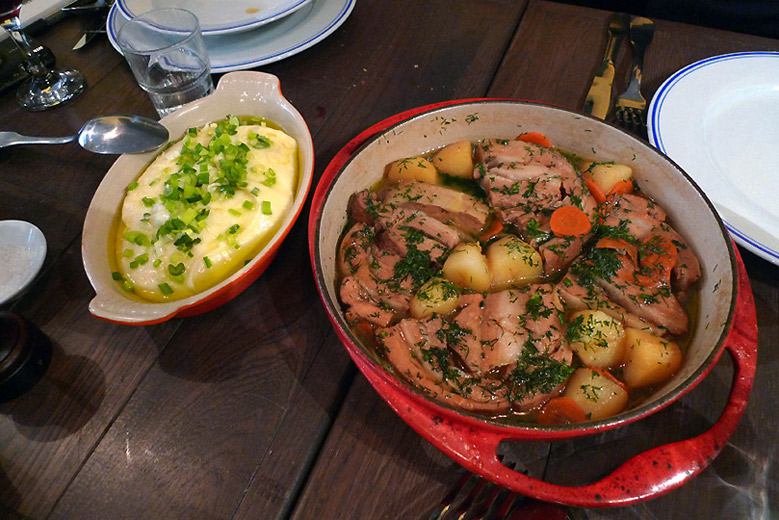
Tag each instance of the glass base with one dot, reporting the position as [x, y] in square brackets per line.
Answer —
[51, 89]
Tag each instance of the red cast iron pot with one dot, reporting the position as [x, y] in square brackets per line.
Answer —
[726, 317]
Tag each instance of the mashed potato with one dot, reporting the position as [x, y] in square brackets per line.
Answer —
[203, 208]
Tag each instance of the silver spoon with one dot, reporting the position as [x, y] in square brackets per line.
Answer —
[106, 135]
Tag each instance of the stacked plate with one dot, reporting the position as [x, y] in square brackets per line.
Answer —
[243, 34]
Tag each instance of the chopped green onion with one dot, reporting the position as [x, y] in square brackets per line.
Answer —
[233, 229]
[165, 289]
[270, 178]
[185, 243]
[117, 276]
[148, 202]
[156, 263]
[139, 260]
[255, 191]
[234, 212]
[127, 285]
[192, 132]
[132, 186]
[266, 209]
[207, 261]
[176, 270]
[136, 237]
[128, 253]
[189, 215]
[248, 204]
[260, 141]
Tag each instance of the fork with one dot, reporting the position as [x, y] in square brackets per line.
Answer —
[630, 108]
[484, 500]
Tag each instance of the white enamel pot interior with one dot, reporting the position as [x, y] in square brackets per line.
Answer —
[688, 209]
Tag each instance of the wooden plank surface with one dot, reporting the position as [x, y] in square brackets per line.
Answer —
[253, 410]
[47, 434]
[529, 72]
[552, 58]
[228, 419]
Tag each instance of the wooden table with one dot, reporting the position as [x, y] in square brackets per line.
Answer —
[254, 410]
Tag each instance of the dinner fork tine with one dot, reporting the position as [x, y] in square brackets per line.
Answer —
[630, 108]
[476, 485]
[449, 499]
[464, 510]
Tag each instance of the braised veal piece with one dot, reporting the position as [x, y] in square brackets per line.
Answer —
[508, 277]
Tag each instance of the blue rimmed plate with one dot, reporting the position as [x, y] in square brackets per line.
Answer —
[718, 118]
[220, 17]
[273, 42]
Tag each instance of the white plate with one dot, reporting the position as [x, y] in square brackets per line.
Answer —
[22, 251]
[718, 119]
[274, 42]
[220, 17]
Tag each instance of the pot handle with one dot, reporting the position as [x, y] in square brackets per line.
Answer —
[647, 475]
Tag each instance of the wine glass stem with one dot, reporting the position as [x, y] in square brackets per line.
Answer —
[35, 64]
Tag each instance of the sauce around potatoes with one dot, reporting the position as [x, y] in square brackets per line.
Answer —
[509, 278]
[204, 207]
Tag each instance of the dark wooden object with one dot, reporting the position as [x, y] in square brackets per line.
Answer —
[254, 411]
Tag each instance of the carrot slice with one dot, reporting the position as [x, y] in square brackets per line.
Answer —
[623, 186]
[656, 265]
[363, 329]
[600, 197]
[535, 138]
[561, 410]
[570, 221]
[491, 231]
[619, 245]
[608, 375]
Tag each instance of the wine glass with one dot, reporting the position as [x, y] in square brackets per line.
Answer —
[46, 87]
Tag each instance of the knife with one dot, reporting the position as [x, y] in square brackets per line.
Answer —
[598, 100]
[87, 37]
[94, 22]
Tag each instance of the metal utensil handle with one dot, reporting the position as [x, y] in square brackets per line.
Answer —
[616, 31]
[641, 32]
[12, 139]
[598, 99]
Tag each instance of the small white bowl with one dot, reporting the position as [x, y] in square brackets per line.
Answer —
[238, 93]
[22, 251]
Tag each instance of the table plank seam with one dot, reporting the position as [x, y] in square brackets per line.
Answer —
[110, 423]
[310, 462]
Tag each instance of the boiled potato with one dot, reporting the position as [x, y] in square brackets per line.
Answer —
[512, 261]
[649, 359]
[597, 392]
[455, 159]
[413, 168]
[608, 174]
[466, 267]
[597, 338]
[436, 296]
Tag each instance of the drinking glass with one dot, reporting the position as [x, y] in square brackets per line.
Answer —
[168, 57]
[46, 87]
